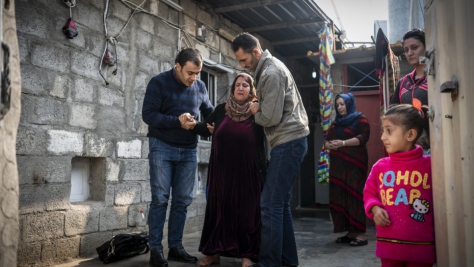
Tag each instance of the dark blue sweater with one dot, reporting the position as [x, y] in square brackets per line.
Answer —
[165, 100]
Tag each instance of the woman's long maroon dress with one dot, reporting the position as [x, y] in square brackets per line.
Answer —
[232, 222]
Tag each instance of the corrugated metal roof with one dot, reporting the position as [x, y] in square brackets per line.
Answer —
[290, 25]
[356, 55]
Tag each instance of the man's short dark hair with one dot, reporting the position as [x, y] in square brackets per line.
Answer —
[189, 54]
[246, 41]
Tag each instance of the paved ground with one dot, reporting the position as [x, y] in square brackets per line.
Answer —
[314, 237]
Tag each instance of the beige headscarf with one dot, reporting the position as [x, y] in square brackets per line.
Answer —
[240, 110]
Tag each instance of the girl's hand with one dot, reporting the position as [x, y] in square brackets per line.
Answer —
[381, 217]
[211, 127]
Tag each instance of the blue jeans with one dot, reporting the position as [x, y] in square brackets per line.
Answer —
[170, 167]
[278, 237]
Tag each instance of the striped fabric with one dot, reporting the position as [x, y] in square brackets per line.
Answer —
[325, 97]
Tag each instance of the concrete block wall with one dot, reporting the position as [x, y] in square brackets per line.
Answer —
[69, 112]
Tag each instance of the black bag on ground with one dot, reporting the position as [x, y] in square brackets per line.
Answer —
[123, 246]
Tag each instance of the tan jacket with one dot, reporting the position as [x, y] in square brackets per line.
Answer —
[282, 113]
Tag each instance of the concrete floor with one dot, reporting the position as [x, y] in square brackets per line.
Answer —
[314, 238]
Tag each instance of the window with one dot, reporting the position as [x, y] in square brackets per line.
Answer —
[88, 179]
[209, 78]
[80, 179]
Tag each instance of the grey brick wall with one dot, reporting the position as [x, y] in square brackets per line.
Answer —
[69, 112]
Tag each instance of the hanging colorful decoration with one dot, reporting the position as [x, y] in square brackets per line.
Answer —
[325, 96]
[70, 29]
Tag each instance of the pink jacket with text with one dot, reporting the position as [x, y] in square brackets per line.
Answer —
[401, 184]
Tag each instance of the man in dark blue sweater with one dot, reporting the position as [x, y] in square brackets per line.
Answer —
[172, 155]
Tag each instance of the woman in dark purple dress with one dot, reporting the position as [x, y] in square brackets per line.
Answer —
[236, 169]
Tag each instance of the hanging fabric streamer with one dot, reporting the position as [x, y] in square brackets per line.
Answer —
[70, 29]
[325, 96]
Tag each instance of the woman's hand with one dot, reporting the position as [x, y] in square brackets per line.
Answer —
[334, 144]
[381, 217]
[211, 127]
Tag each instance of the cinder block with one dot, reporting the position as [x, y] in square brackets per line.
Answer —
[90, 241]
[135, 170]
[126, 194]
[109, 195]
[44, 169]
[82, 115]
[64, 142]
[56, 196]
[189, 8]
[30, 20]
[97, 146]
[110, 97]
[145, 149]
[206, 53]
[143, 40]
[24, 50]
[48, 111]
[190, 23]
[35, 80]
[59, 250]
[147, 24]
[141, 82]
[123, 53]
[146, 191]
[167, 33]
[61, 86]
[147, 64]
[115, 26]
[28, 253]
[31, 199]
[37, 198]
[119, 10]
[205, 17]
[161, 50]
[129, 149]
[81, 222]
[112, 218]
[94, 42]
[31, 141]
[83, 91]
[142, 127]
[85, 64]
[50, 57]
[113, 170]
[89, 17]
[112, 121]
[42, 226]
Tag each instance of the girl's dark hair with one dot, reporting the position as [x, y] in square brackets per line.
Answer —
[249, 80]
[409, 117]
[416, 33]
[246, 41]
[189, 54]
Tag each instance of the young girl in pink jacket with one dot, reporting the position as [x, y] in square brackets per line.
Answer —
[397, 194]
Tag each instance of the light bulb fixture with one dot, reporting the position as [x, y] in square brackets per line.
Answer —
[314, 73]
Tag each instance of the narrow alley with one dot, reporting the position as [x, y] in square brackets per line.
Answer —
[314, 237]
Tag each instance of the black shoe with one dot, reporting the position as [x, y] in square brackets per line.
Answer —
[284, 263]
[157, 259]
[179, 254]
